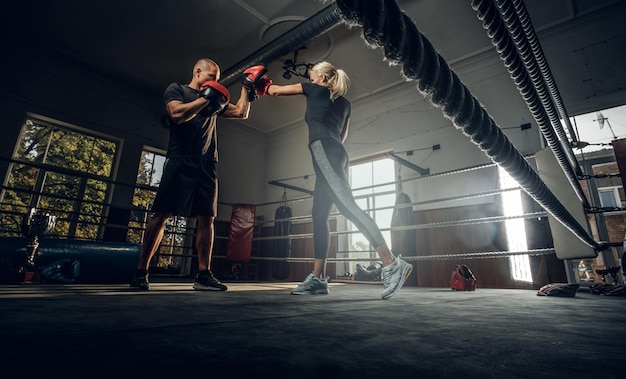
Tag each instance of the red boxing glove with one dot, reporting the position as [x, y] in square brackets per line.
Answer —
[217, 95]
[263, 85]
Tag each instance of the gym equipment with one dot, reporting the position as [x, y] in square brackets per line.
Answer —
[100, 262]
[240, 234]
[462, 279]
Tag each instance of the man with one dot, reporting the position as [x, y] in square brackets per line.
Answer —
[189, 183]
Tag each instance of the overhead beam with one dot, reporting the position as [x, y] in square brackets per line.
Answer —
[289, 186]
[412, 166]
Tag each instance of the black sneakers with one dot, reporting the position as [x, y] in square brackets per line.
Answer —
[205, 281]
[140, 281]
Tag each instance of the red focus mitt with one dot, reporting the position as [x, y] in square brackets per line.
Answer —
[251, 77]
[217, 95]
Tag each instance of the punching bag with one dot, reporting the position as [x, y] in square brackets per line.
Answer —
[282, 246]
[404, 241]
[240, 233]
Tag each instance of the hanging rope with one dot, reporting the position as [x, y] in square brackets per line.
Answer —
[385, 25]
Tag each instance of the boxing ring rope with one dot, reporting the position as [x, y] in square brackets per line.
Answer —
[449, 256]
[415, 203]
[531, 37]
[493, 192]
[386, 26]
[524, 71]
[441, 224]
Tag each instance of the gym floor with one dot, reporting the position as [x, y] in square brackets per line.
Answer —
[259, 330]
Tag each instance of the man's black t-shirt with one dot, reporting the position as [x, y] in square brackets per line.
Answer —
[195, 138]
[326, 118]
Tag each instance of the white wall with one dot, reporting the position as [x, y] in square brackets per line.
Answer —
[241, 168]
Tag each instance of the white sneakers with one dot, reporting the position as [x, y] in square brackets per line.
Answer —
[394, 277]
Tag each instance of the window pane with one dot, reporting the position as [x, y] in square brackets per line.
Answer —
[60, 187]
[34, 141]
[607, 198]
[172, 251]
[60, 193]
[383, 216]
[91, 209]
[102, 157]
[515, 228]
[61, 147]
[384, 172]
[371, 199]
[361, 176]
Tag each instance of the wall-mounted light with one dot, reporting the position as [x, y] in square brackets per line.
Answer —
[293, 67]
[522, 127]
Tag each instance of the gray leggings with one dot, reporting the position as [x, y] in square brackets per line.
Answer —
[330, 162]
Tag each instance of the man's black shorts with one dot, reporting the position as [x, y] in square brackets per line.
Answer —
[188, 188]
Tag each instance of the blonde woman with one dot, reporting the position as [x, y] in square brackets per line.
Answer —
[328, 117]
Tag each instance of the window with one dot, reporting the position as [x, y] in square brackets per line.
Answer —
[148, 178]
[371, 191]
[177, 235]
[609, 197]
[610, 190]
[515, 229]
[62, 170]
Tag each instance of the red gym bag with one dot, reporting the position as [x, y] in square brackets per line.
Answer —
[462, 279]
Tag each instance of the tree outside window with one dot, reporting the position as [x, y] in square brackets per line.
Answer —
[62, 170]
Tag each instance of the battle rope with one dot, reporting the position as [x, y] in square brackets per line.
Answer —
[385, 25]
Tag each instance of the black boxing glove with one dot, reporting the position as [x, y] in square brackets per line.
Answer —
[251, 77]
[218, 97]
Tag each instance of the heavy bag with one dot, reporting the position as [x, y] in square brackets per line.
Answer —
[462, 279]
[404, 241]
[282, 246]
[240, 233]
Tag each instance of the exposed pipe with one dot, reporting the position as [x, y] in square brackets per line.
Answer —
[412, 166]
[315, 26]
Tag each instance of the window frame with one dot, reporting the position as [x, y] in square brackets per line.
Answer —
[43, 169]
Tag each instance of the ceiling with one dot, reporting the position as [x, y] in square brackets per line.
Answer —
[150, 43]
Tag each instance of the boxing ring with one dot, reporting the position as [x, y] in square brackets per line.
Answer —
[384, 26]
